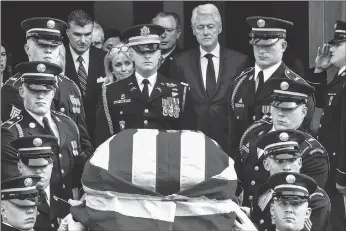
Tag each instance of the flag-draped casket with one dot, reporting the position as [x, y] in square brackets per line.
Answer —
[148, 179]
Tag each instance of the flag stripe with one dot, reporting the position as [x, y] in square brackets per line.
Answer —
[192, 162]
[110, 221]
[144, 159]
[214, 165]
[120, 164]
[168, 163]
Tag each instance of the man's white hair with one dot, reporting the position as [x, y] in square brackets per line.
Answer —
[206, 9]
[98, 29]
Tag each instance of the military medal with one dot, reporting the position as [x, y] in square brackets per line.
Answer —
[176, 107]
[170, 107]
[74, 148]
[164, 107]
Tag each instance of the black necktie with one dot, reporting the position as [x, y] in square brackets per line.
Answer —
[82, 75]
[210, 76]
[47, 126]
[260, 81]
[43, 200]
[145, 92]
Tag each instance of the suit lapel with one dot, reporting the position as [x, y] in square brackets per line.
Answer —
[195, 61]
[70, 67]
[157, 90]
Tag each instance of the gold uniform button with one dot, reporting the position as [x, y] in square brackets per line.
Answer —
[62, 109]
[261, 221]
[317, 137]
[254, 117]
[237, 117]
[146, 111]
[60, 156]
[62, 171]
[52, 225]
[253, 182]
[63, 186]
[334, 153]
[38, 213]
[322, 114]
[256, 168]
[250, 198]
[145, 122]
[121, 112]
[320, 125]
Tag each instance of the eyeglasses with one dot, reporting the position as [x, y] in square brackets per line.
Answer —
[115, 50]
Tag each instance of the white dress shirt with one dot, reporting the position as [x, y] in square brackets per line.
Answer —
[85, 57]
[47, 191]
[266, 72]
[152, 80]
[342, 69]
[204, 62]
[51, 122]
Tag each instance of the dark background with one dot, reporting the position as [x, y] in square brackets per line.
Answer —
[234, 35]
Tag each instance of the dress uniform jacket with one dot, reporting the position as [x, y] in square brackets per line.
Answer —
[252, 173]
[67, 165]
[49, 215]
[165, 67]
[319, 204]
[5, 227]
[246, 105]
[169, 107]
[67, 100]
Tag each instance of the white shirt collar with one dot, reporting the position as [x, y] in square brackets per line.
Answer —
[152, 79]
[85, 56]
[266, 72]
[215, 52]
[39, 119]
[342, 70]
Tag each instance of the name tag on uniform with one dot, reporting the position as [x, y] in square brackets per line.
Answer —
[122, 101]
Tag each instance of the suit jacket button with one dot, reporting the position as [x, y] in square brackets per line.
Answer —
[145, 122]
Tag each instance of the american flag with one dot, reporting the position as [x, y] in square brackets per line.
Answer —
[148, 179]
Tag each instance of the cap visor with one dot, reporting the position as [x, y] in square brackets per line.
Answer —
[40, 87]
[336, 41]
[263, 42]
[23, 202]
[40, 162]
[285, 156]
[284, 105]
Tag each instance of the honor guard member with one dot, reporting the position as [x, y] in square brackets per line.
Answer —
[246, 105]
[44, 36]
[332, 99]
[36, 155]
[290, 207]
[282, 153]
[288, 105]
[146, 99]
[37, 90]
[19, 198]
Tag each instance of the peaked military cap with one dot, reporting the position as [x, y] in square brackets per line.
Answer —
[143, 34]
[36, 150]
[20, 190]
[283, 144]
[44, 30]
[268, 29]
[291, 186]
[39, 76]
[289, 90]
[339, 32]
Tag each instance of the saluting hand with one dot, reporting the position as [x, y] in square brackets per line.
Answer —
[322, 61]
[244, 223]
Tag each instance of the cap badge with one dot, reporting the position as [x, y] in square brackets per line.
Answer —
[290, 179]
[145, 31]
[283, 136]
[28, 182]
[261, 23]
[50, 24]
[41, 67]
[284, 86]
[37, 142]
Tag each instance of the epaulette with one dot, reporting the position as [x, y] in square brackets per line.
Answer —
[11, 122]
[293, 76]
[68, 79]
[184, 84]
[266, 119]
[13, 80]
[244, 72]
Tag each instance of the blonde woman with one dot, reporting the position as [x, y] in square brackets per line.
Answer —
[118, 64]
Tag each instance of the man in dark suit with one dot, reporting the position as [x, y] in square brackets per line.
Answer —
[84, 64]
[19, 198]
[170, 21]
[146, 99]
[209, 70]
